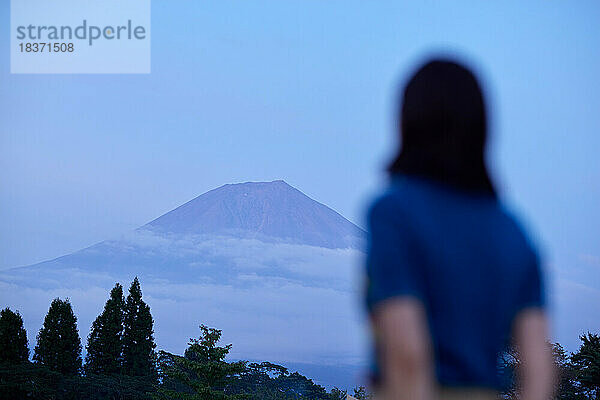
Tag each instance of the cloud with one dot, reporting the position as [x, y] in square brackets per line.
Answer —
[274, 301]
[277, 320]
[280, 320]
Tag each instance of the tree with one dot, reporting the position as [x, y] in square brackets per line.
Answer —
[139, 358]
[103, 387]
[361, 393]
[202, 373]
[586, 362]
[267, 381]
[13, 338]
[338, 394]
[566, 387]
[105, 341]
[510, 363]
[261, 381]
[26, 380]
[297, 385]
[58, 344]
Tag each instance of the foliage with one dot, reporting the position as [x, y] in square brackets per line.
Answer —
[35, 381]
[338, 394]
[586, 363]
[273, 382]
[105, 341]
[566, 387]
[202, 373]
[114, 386]
[58, 344]
[510, 362]
[285, 385]
[576, 374]
[139, 357]
[13, 338]
[28, 380]
[361, 393]
[299, 386]
[257, 380]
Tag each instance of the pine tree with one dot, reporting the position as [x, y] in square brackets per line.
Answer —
[13, 338]
[202, 373]
[58, 344]
[105, 341]
[566, 385]
[139, 358]
[361, 393]
[587, 364]
[338, 394]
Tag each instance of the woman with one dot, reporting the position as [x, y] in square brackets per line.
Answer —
[452, 277]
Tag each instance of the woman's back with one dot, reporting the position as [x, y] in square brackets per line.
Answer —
[465, 259]
[451, 276]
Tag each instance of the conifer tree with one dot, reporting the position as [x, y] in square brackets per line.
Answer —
[202, 373]
[566, 385]
[338, 394]
[586, 362]
[13, 338]
[58, 344]
[361, 393]
[105, 341]
[139, 358]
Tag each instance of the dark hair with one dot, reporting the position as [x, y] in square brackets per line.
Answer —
[443, 128]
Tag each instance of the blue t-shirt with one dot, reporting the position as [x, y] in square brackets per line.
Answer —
[466, 260]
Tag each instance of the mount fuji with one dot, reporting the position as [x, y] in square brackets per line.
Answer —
[264, 210]
[274, 269]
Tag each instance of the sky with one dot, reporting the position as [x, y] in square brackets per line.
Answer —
[304, 91]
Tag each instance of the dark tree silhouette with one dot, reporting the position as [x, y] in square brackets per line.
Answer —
[567, 386]
[202, 373]
[105, 341]
[361, 393]
[13, 338]
[586, 361]
[139, 358]
[58, 344]
[338, 394]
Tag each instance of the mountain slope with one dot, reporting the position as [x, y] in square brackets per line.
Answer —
[258, 209]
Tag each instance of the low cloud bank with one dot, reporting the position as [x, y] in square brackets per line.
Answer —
[274, 301]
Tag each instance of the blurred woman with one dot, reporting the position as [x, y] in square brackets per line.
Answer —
[452, 277]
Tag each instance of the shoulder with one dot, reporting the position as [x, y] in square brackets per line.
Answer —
[393, 201]
[519, 240]
[382, 206]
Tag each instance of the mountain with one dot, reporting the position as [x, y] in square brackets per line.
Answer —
[277, 271]
[261, 209]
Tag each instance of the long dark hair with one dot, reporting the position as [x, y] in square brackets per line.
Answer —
[443, 128]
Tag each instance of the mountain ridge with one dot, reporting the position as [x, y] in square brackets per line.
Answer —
[254, 209]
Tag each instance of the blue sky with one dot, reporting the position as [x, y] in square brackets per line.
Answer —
[303, 91]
